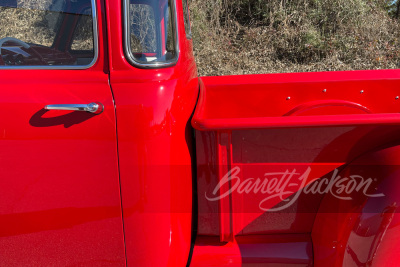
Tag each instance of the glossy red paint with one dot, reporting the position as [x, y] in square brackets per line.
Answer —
[254, 251]
[263, 101]
[272, 123]
[59, 186]
[153, 108]
[67, 178]
[363, 231]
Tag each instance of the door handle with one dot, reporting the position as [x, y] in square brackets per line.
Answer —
[95, 107]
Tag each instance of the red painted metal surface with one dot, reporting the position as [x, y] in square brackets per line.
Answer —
[265, 101]
[254, 251]
[153, 108]
[59, 186]
[267, 95]
[362, 232]
[312, 123]
[292, 122]
[62, 197]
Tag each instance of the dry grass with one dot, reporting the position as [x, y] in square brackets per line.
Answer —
[142, 23]
[277, 36]
[31, 22]
[27, 25]
[251, 36]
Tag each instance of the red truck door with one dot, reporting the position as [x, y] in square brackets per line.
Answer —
[59, 184]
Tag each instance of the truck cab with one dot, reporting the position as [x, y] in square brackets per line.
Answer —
[114, 152]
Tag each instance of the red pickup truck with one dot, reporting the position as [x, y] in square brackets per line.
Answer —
[114, 152]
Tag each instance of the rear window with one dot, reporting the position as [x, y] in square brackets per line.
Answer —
[151, 34]
[46, 33]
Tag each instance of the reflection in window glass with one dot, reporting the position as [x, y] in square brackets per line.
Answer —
[46, 33]
[83, 35]
[143, 29]
[152, 32]
[186, 18]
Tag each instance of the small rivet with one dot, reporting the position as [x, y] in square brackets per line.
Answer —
[362, 92]
[397, 97]
[324, 91]
[288, 98]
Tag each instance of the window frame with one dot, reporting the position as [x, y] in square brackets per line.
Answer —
[69, 67]
[127, 43]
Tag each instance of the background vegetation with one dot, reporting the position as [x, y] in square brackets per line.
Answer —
[270, 36]
[254, 36]
[32, 22]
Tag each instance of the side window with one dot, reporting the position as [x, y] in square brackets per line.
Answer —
[46, 33]
[150, 32]
[188, 29]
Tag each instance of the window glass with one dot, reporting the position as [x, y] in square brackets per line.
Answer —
[83, 35]
[143, 29]
[46, 33]
[151, 32]
[186, 18]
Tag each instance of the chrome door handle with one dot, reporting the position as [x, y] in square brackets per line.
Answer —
[95, 107]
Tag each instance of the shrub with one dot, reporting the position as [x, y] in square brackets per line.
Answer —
[269, 36]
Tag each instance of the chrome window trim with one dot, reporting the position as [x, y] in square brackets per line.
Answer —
[127, 46]
[69, 67]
